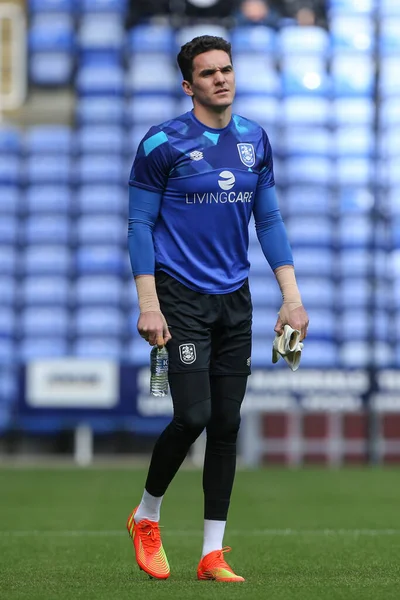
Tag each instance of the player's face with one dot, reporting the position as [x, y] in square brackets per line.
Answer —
[213, 80]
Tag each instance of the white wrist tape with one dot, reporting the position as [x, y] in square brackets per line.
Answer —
[147, 293]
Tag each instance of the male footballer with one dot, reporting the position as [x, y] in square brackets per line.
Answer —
[195, 182]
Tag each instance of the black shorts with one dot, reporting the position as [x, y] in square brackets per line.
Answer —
[209, 331]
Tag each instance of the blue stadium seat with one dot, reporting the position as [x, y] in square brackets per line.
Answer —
[187, 33]
[137, 352]
[7, 352]
[104, 289]
[355, 199]
[107, 6]
[8, 387]
[8, 259]
[56, 199]
[48, 6]
[302, 141]
[92, 168]
[98, 80]
[393, 201]
[9, 229]
[101, 34]
[152, 73]
[352, 33]
[101, 259]
[311, 263]
[354, 292]
[389, 8]
[355, 231]
[100, 229]
[301, 41]
[317, 291]
[50, 32]
[51, 68]
[151, 38]
[354, 263]
[44, 321]
[391, 171]
[99, 321]
[246, 39]
[100, 138]
[256, 77]
[350, 7]
[362, 354]
[316, 231]
[303, 110]
[305, 78]
[32, 347]
[10, 139]
[355, 172]
[46, 259]
[8, 290]
[49, 138]
[151, 109]
[100, 199]
[98, 347]
[313, 199]
[10, 170]
[353, 76]
[319, 354]
[309, 170]
[10, 200]
[44, 290]
[353, 111]
[47, 229]
[48, 168]
[263, 109]
[103, 109]
[264, 319]
[7, 322]
[264, 292]
[389, 143]
[354, 142]
[323, 325]
[389, 36]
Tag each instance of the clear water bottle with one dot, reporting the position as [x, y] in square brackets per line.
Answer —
[159, 371]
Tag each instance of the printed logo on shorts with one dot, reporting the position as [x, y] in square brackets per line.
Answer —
[248, 362]
[187, 353]
[247, 154]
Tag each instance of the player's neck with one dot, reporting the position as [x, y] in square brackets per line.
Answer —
[215, 120]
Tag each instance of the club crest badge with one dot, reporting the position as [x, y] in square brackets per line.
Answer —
[247, 154]
[187, 353]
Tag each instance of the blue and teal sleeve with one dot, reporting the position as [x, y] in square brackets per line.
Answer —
[271, 231]
[144, 207]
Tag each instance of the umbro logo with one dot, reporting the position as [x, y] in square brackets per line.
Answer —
[196, 155]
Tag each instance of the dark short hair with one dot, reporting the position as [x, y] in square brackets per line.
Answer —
[198, 45]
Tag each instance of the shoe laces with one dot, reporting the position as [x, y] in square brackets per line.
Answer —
[149, 534]
[218, 559]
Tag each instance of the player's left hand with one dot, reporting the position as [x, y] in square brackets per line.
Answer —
[296, 318]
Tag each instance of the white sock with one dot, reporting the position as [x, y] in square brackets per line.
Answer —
[149, 507]
[213, 536]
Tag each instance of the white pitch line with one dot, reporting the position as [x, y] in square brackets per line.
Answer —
[234, 532]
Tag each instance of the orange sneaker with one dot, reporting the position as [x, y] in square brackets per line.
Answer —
[149, 551]
[213, 567]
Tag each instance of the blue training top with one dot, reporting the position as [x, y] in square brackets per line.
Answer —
[192, 192]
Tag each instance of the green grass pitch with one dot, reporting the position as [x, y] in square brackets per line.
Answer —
[295, 535]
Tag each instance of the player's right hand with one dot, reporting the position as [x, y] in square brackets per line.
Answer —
[153, 327]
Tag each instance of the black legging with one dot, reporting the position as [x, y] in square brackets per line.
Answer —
[201, 401]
